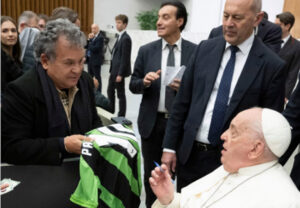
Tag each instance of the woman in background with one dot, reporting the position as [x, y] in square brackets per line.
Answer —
[10, 52]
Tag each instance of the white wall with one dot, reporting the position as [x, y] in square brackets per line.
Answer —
[272, 7]
[106, 10]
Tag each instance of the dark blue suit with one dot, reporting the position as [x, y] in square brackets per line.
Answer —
[269, 33]
[261, 83]
[151, 124]
[291, 54]
[95, 60]
[292, 114]
[120, 66]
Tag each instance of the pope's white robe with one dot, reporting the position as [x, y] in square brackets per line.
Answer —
[261, 186]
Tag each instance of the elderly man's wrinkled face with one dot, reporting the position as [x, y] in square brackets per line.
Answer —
[95, 29]
[67, 67]
[239, 20]
[238, 143]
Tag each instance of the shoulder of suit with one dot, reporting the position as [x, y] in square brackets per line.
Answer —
[29, 82]
[263, 51]
[151, 45]
[188, 43]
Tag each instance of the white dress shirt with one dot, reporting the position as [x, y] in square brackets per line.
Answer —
[241, 57]
[284, 40]
[164, 58]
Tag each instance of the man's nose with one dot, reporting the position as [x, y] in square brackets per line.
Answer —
[224, 135]
[158, 21]
[228, 22]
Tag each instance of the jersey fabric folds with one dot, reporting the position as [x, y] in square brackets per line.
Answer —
[109, 169]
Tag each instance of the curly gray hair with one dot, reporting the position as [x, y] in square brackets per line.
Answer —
[46, 40]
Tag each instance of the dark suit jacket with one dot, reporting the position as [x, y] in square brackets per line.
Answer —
[269, 33]
[25, 138]
[120, 63]
[95, 47]
[261, 83]
[292, 114]
[291, 54]
[149, 59]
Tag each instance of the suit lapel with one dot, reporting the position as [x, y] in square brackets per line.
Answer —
[287, 47]
[252, 67]
[185, 53]
[157, 53]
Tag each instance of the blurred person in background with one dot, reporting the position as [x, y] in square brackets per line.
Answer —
[10, 52]
[43, 19]
[66, 13]
[290, 51]
[28, 30]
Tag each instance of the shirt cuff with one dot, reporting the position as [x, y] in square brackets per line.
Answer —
[169, 150]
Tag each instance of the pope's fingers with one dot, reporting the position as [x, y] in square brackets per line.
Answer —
[152, 182]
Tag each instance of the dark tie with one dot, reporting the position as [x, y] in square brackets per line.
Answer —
[222, 100]
[170, 93]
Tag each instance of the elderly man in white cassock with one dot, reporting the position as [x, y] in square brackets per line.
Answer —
[250, 175]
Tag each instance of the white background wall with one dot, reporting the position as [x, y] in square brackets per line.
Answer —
[106, 10]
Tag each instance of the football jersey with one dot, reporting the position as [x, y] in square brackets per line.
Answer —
[109, 169]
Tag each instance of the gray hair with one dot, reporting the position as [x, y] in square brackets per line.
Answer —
[46, 40]
[26, 16]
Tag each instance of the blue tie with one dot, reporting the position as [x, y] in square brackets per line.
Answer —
[222, 100]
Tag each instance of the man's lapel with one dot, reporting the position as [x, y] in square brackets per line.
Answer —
[185, 53]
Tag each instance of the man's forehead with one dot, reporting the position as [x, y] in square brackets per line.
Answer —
[237, 5]
[247, 116]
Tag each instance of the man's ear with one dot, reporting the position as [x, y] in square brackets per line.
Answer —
[44, 61]
[258, 18]
[257, 149]
[22, 26]
[180, 22]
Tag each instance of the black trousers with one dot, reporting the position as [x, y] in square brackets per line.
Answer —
[120, 87]
[95, 71]
[152, 151]
[199, 164]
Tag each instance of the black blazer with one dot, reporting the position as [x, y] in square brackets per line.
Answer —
[149, 59]
[25, 138]
[269, 33]
[95, 47]
[291, 54]
[261, 83]
[120, 63]
[292, 114]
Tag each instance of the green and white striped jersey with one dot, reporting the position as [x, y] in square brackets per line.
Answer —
[109, 169]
